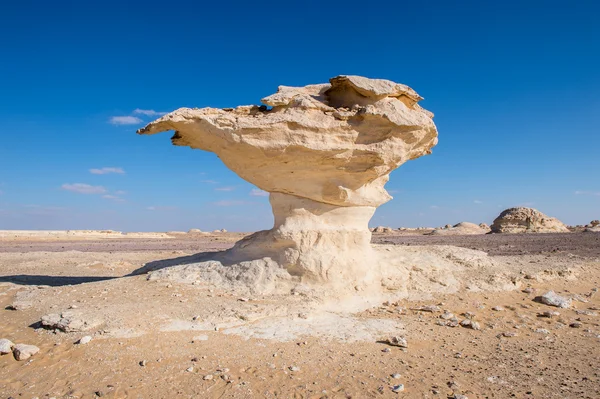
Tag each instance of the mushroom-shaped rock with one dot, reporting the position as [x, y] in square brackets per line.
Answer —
[324, 153]
[526, 220]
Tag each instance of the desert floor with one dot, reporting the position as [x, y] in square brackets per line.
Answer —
[156, 339]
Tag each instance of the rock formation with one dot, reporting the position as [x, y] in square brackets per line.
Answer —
[526, 220]
[462, 228]
[324, 153]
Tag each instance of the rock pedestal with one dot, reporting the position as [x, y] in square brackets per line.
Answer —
[324, 153]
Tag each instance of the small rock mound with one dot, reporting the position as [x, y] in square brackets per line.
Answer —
[462, 228]
[595, 223]
[527, 220]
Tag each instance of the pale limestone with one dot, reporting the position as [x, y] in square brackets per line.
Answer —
[324, 153]
[526, 220]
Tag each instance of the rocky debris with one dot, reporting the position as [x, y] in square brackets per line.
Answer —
[586, 312]
[142, 363]
[553, 299]
[398, 388]
[381, 229]
[294, 368]
[396, 376]
[576, 324]
[6, 346]
[484, 226]
[324, 152]
[85, 340]
[190, 369]
[526, 220]
[595, 223]
[498, 309]
[549, 314]
[462, 228]
[207, 377]
[24, 352]
[468, 323]
[446, 315]
[69, 322]
[428, 308]
[398, 341]
[508, 334]
[542, 331]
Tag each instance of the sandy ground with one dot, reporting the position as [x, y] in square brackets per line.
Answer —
[157, 339]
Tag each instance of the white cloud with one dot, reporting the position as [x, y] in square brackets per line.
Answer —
[230, 188]
[594, 193]
[148, 112]
[478, 202]
[209, 181]
[83, 188]
[229, 203]
[434, 207]
[255, 192]
[120, 192]
[107, 170]
[125, 120]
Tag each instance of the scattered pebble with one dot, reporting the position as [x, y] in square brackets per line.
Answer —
[24, 352]
[208, 377]
[473, 325]
[398, 388]
[398, 341]
[542, 331]
[575, 324]
[142, 363]
[189, 369]
[529, 290]
[551, 298]
[446, 315]
[549, 314]
[294, 368]
[498, 308]
[428, 308]
[85, 340]
[6, 346]
[396, 376]
[509, 334]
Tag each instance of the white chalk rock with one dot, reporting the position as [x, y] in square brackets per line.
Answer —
[324, 153]
[24, 352]
[6, 346]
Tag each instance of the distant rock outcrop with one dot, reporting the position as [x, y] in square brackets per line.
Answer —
[527, 220]
[462, 228]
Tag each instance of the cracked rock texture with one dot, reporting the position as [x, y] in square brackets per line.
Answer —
[324, 153]
[527, 220]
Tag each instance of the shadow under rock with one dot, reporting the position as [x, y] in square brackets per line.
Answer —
[182, 260]
[53, 281]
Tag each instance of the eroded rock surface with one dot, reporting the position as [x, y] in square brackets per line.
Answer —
[526, 220]
[324, 153]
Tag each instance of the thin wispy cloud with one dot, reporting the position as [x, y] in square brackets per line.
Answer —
[209, 181]
[82, 188]
[434, 207]
[255, 192]
[113, 198]
[229, 203]
[107, 170]
[148, 112]
[230, 188]
[125, 120]
[477, 202]
[594, 193]
[160, 208]
[120, 192]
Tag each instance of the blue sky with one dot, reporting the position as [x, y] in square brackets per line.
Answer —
[514, 85]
